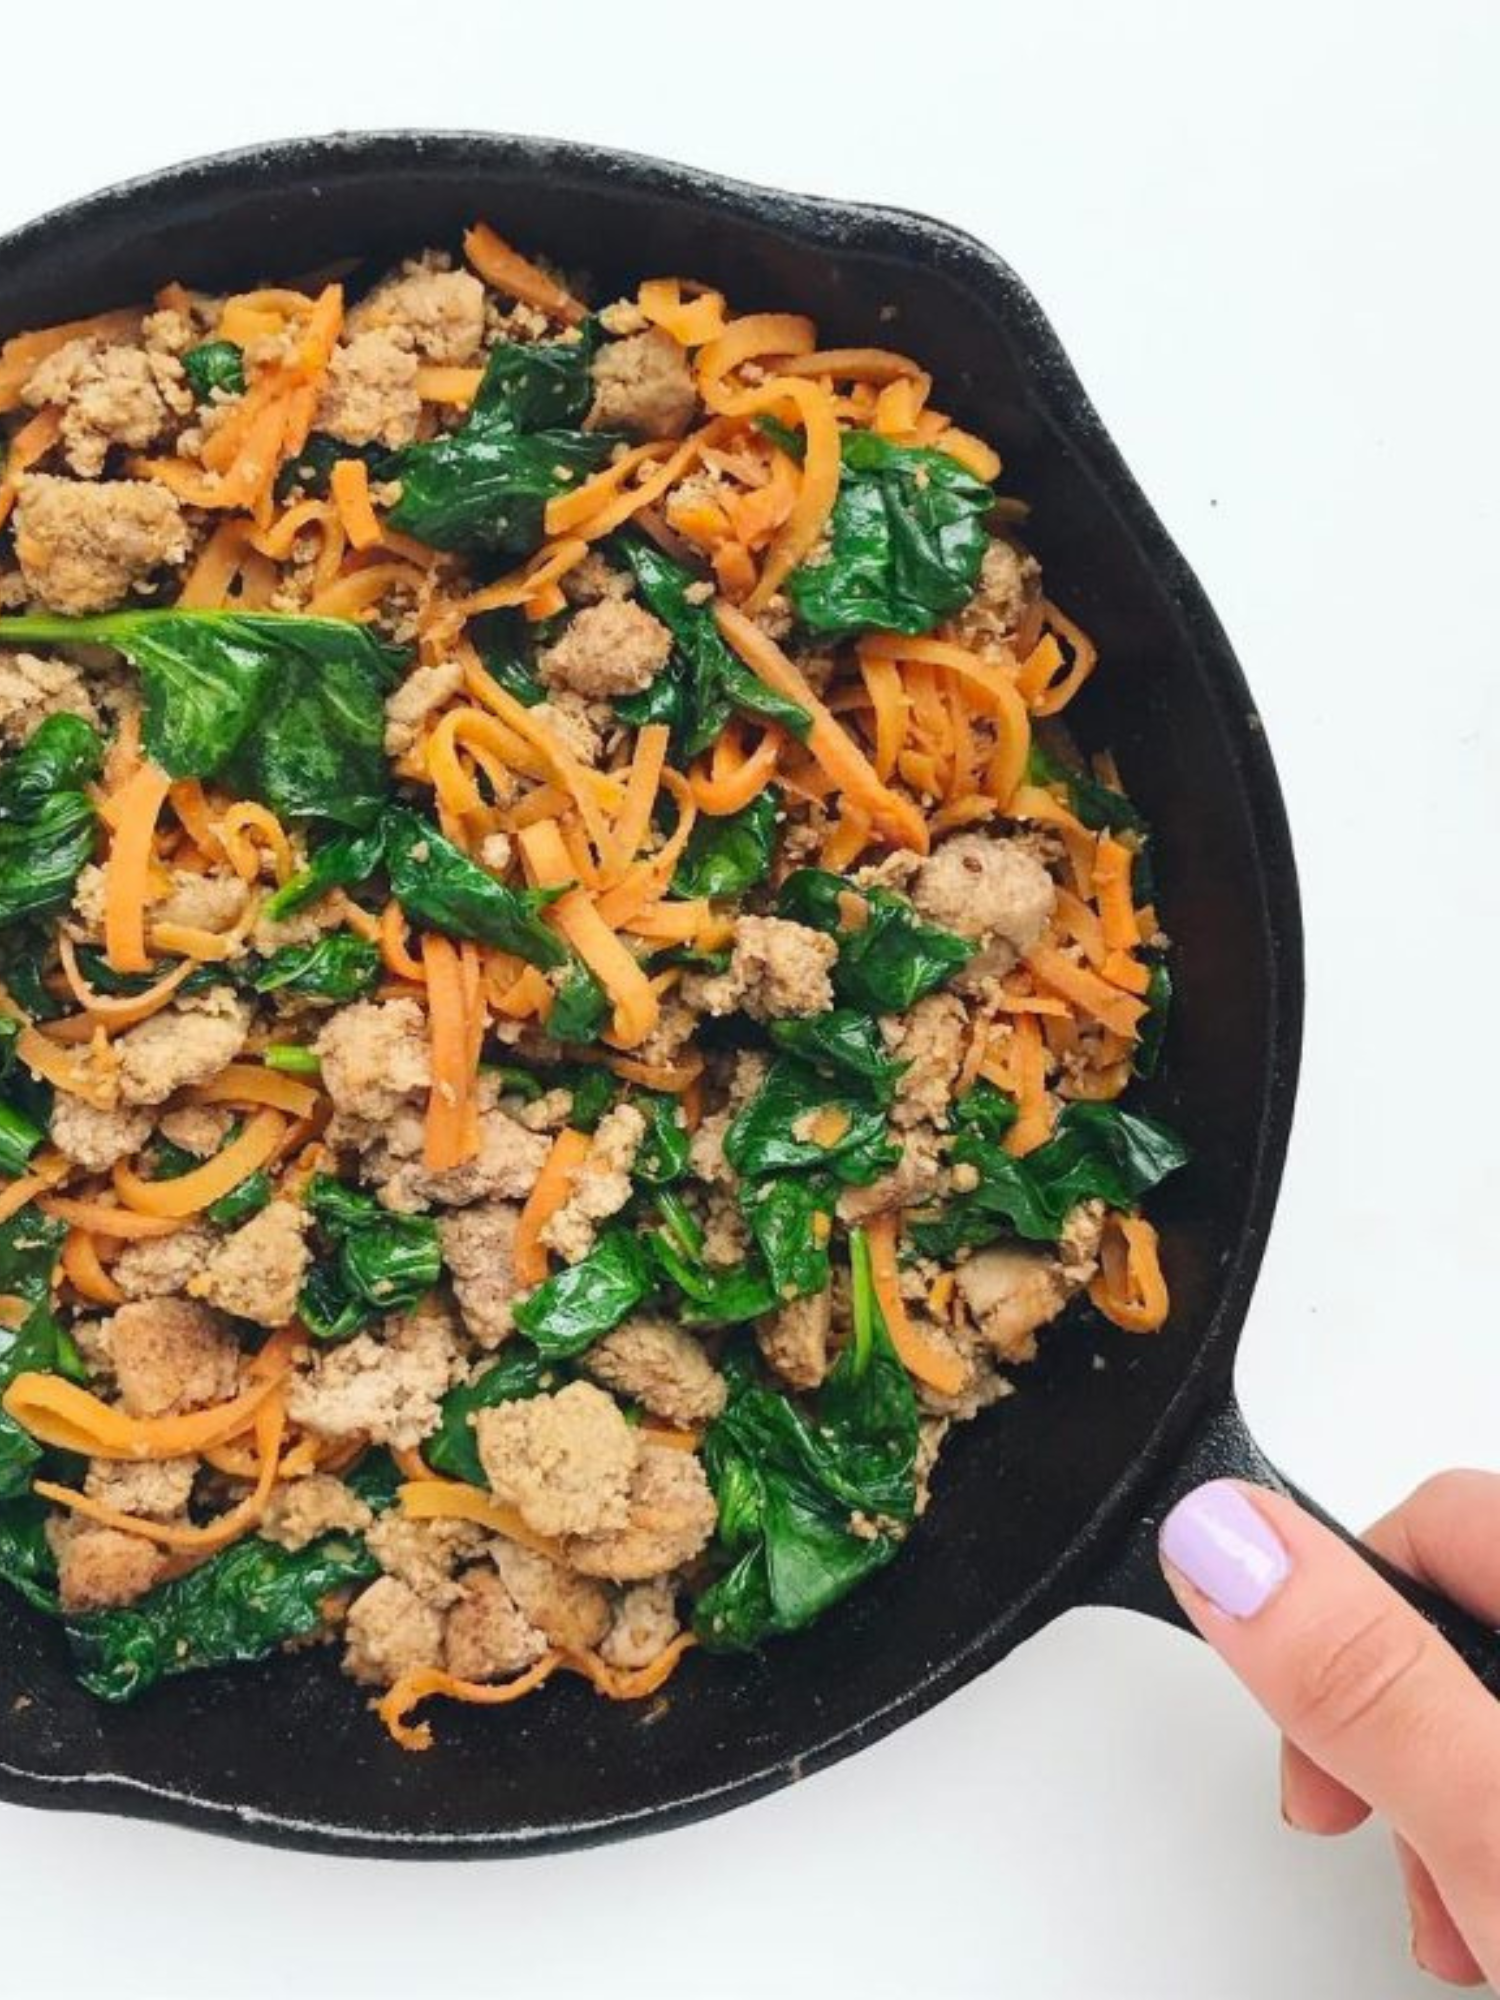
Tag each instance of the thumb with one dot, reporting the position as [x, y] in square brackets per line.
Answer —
[1354, 1677]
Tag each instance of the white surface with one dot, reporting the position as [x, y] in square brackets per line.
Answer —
[1266, 236]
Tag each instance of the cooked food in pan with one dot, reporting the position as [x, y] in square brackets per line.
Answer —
[566, 999]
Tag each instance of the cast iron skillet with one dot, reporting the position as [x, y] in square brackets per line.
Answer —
[1048, 1502]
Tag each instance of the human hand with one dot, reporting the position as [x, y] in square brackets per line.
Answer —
[1377, 1713]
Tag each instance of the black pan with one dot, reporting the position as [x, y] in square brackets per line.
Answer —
[1048, 1502]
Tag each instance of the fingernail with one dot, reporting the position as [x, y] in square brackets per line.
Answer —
[1224, 1548]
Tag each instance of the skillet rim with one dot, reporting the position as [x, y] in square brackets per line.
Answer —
[1071, 1578]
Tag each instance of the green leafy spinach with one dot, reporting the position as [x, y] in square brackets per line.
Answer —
[729, 854]
[705, 681]
[381, 1263]
[810, 1507]
[485, 486]
[1098, 1151]
[571, 1309]
[800, 1120]
[243, 1603]
[46, 818]
[437, 882]
[893, 959]
[289, 710]
[338, 967]
[906, 541]
[215, 364]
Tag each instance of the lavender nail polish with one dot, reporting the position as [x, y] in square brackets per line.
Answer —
[1226, 1549]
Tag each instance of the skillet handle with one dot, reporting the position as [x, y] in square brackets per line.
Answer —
[1221, 1447]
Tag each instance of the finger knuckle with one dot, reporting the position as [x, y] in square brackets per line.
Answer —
[1350, 1679]
[1432, 1493]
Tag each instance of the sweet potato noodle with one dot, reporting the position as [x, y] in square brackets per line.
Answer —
[567, 997]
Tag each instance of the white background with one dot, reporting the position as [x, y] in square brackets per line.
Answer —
[1267, 236]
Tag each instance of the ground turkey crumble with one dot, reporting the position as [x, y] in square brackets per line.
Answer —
[386, 1389]
[601, 1187]
[170, 1355]
[662, 1368]
[614, 647]
[643, 384]
[564, 1461]
[670, 1515]
[370, 394]
[438, 313]
[257, 1272]
[83, 545]
[477, 1247]
[97, 1139]
[777, 969]
[108, 395]
[986, 889]
[189, 1043]
[160, 1266]
[31, 689]
[302, 1510]
[374, 1054]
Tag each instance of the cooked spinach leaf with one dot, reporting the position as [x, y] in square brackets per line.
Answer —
[893, 959]
[342, 862]
[215, 364]
[437, 882]
[340, 966]
[1153, 1028]
[1098, 1151]
[19, 1138]
[705, 680]
[662, 1156]
[46, 819]
[842, 1043]
[538, 384]
[783, 437]
[63, 754]
[376, 1479]
[1099, 806]
[800, 1120]
[310, 471]
[25, 1104]
[507, 646]
[241, 1604]
[791, 1220]
[289, 710]
[694, 961]
[515, 1082]
[519, 1372]
[906, 541]
[382, 1263]
[788, 1487]
[41, 857]
[592, 1088]
[30, 1243]
[485, 486]
[581, 1008]
[102, 976]
[576, 1305]
[168, 1161]
[27, 1563]
[986, 1110]
[29, 951]
[249, 1198]
[710, 1294]
[728, 854]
